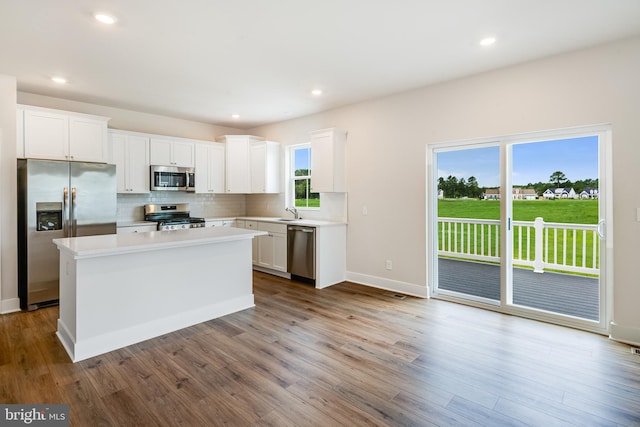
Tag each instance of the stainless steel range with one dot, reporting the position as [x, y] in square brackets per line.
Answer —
[172, 217]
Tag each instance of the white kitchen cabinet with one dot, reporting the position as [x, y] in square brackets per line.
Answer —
[220, 223]
[169, 152]
[328, 161]
[60, 135]
[210, 168]
[250, 225]
[238, 165]
[131, 157]
[136, 229]
[272, 248]
[265, 167]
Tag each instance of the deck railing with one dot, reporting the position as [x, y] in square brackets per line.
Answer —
[541, 245]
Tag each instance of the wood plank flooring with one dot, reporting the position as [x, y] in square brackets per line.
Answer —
[347, 355]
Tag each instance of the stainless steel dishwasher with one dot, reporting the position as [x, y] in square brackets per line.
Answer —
[301, 251]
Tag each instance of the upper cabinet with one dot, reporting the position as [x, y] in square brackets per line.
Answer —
[168, 152]
[252, 164]
[210, 168]
[61, 135]
[328, 161]
[264, 164]
[131, 157]
[238, 174]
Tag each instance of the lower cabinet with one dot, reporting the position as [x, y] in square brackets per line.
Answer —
[269, 251]
[272, 248]
[136, 229]
[220, 223]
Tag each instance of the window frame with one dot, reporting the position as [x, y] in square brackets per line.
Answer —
[292, 178]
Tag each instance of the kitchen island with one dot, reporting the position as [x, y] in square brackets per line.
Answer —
[117, 290]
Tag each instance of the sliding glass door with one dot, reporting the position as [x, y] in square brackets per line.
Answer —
[519, 224]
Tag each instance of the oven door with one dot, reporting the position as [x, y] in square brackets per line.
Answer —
[172, 178]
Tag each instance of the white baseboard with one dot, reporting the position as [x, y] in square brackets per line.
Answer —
[625, 334]
[387, 284]
[9, 305]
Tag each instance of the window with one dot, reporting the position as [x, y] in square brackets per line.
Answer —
[299, 189]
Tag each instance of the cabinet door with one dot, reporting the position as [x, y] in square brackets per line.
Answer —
[279, 251]
[138, 171]
[265, 250]
[237, 170]
[131, 157]
[87, 140]
[160, 152]
[210, 168]
[119, 150]
[328, 161]
[216, 168]
[258, 156]
[46, 135]
[183, 154]
[321, 164]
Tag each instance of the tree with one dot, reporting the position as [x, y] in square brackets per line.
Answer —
[558, 178]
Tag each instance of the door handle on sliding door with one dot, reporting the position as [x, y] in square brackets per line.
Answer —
[601, 228]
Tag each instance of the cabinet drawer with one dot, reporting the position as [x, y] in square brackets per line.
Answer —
[252, 225]
[271, 227]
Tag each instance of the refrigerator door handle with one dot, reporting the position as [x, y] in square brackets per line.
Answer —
[65, 211]
[74, 205]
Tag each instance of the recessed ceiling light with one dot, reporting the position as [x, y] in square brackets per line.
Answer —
[487, 41]
[316, 92]
[60, 80]
[105, 19]
[235, 116]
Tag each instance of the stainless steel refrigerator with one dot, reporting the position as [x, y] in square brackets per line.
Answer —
[58, 199]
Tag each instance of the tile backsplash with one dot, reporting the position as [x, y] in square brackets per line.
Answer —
[131, 206]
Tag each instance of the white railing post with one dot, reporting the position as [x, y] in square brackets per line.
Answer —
[538, 262]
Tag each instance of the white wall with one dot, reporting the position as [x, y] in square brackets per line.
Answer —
[8, 194]
[387, 142]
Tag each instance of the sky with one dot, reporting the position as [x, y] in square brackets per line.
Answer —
[534, 162]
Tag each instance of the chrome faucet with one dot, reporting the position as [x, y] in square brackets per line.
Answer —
[294, 211]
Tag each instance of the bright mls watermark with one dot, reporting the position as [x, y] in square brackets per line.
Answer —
[34, 415]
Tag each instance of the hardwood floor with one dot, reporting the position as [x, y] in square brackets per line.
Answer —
[345, 355]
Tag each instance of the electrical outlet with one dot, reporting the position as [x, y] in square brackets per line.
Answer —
[389, 264]
[365, 211]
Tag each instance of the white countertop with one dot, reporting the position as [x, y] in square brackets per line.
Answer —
[118, 244]
[309, 222]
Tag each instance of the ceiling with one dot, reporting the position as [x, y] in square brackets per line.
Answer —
[205, 60]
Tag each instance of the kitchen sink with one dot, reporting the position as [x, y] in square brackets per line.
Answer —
[287, 219]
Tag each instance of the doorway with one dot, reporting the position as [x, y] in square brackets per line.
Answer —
[519, 224]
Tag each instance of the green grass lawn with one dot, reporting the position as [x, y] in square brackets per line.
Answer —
[564, 211]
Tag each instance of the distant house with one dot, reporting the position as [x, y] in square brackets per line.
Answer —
[589, 193]
[440, 193]
[524, 194]
[491, 194]
[518, 194]
[559, 193]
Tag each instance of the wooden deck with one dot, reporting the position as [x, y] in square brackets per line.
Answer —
[559, 293]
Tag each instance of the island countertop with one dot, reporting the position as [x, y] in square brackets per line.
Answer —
[118, 244]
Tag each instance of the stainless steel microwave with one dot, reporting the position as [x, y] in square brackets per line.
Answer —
[172, 178]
